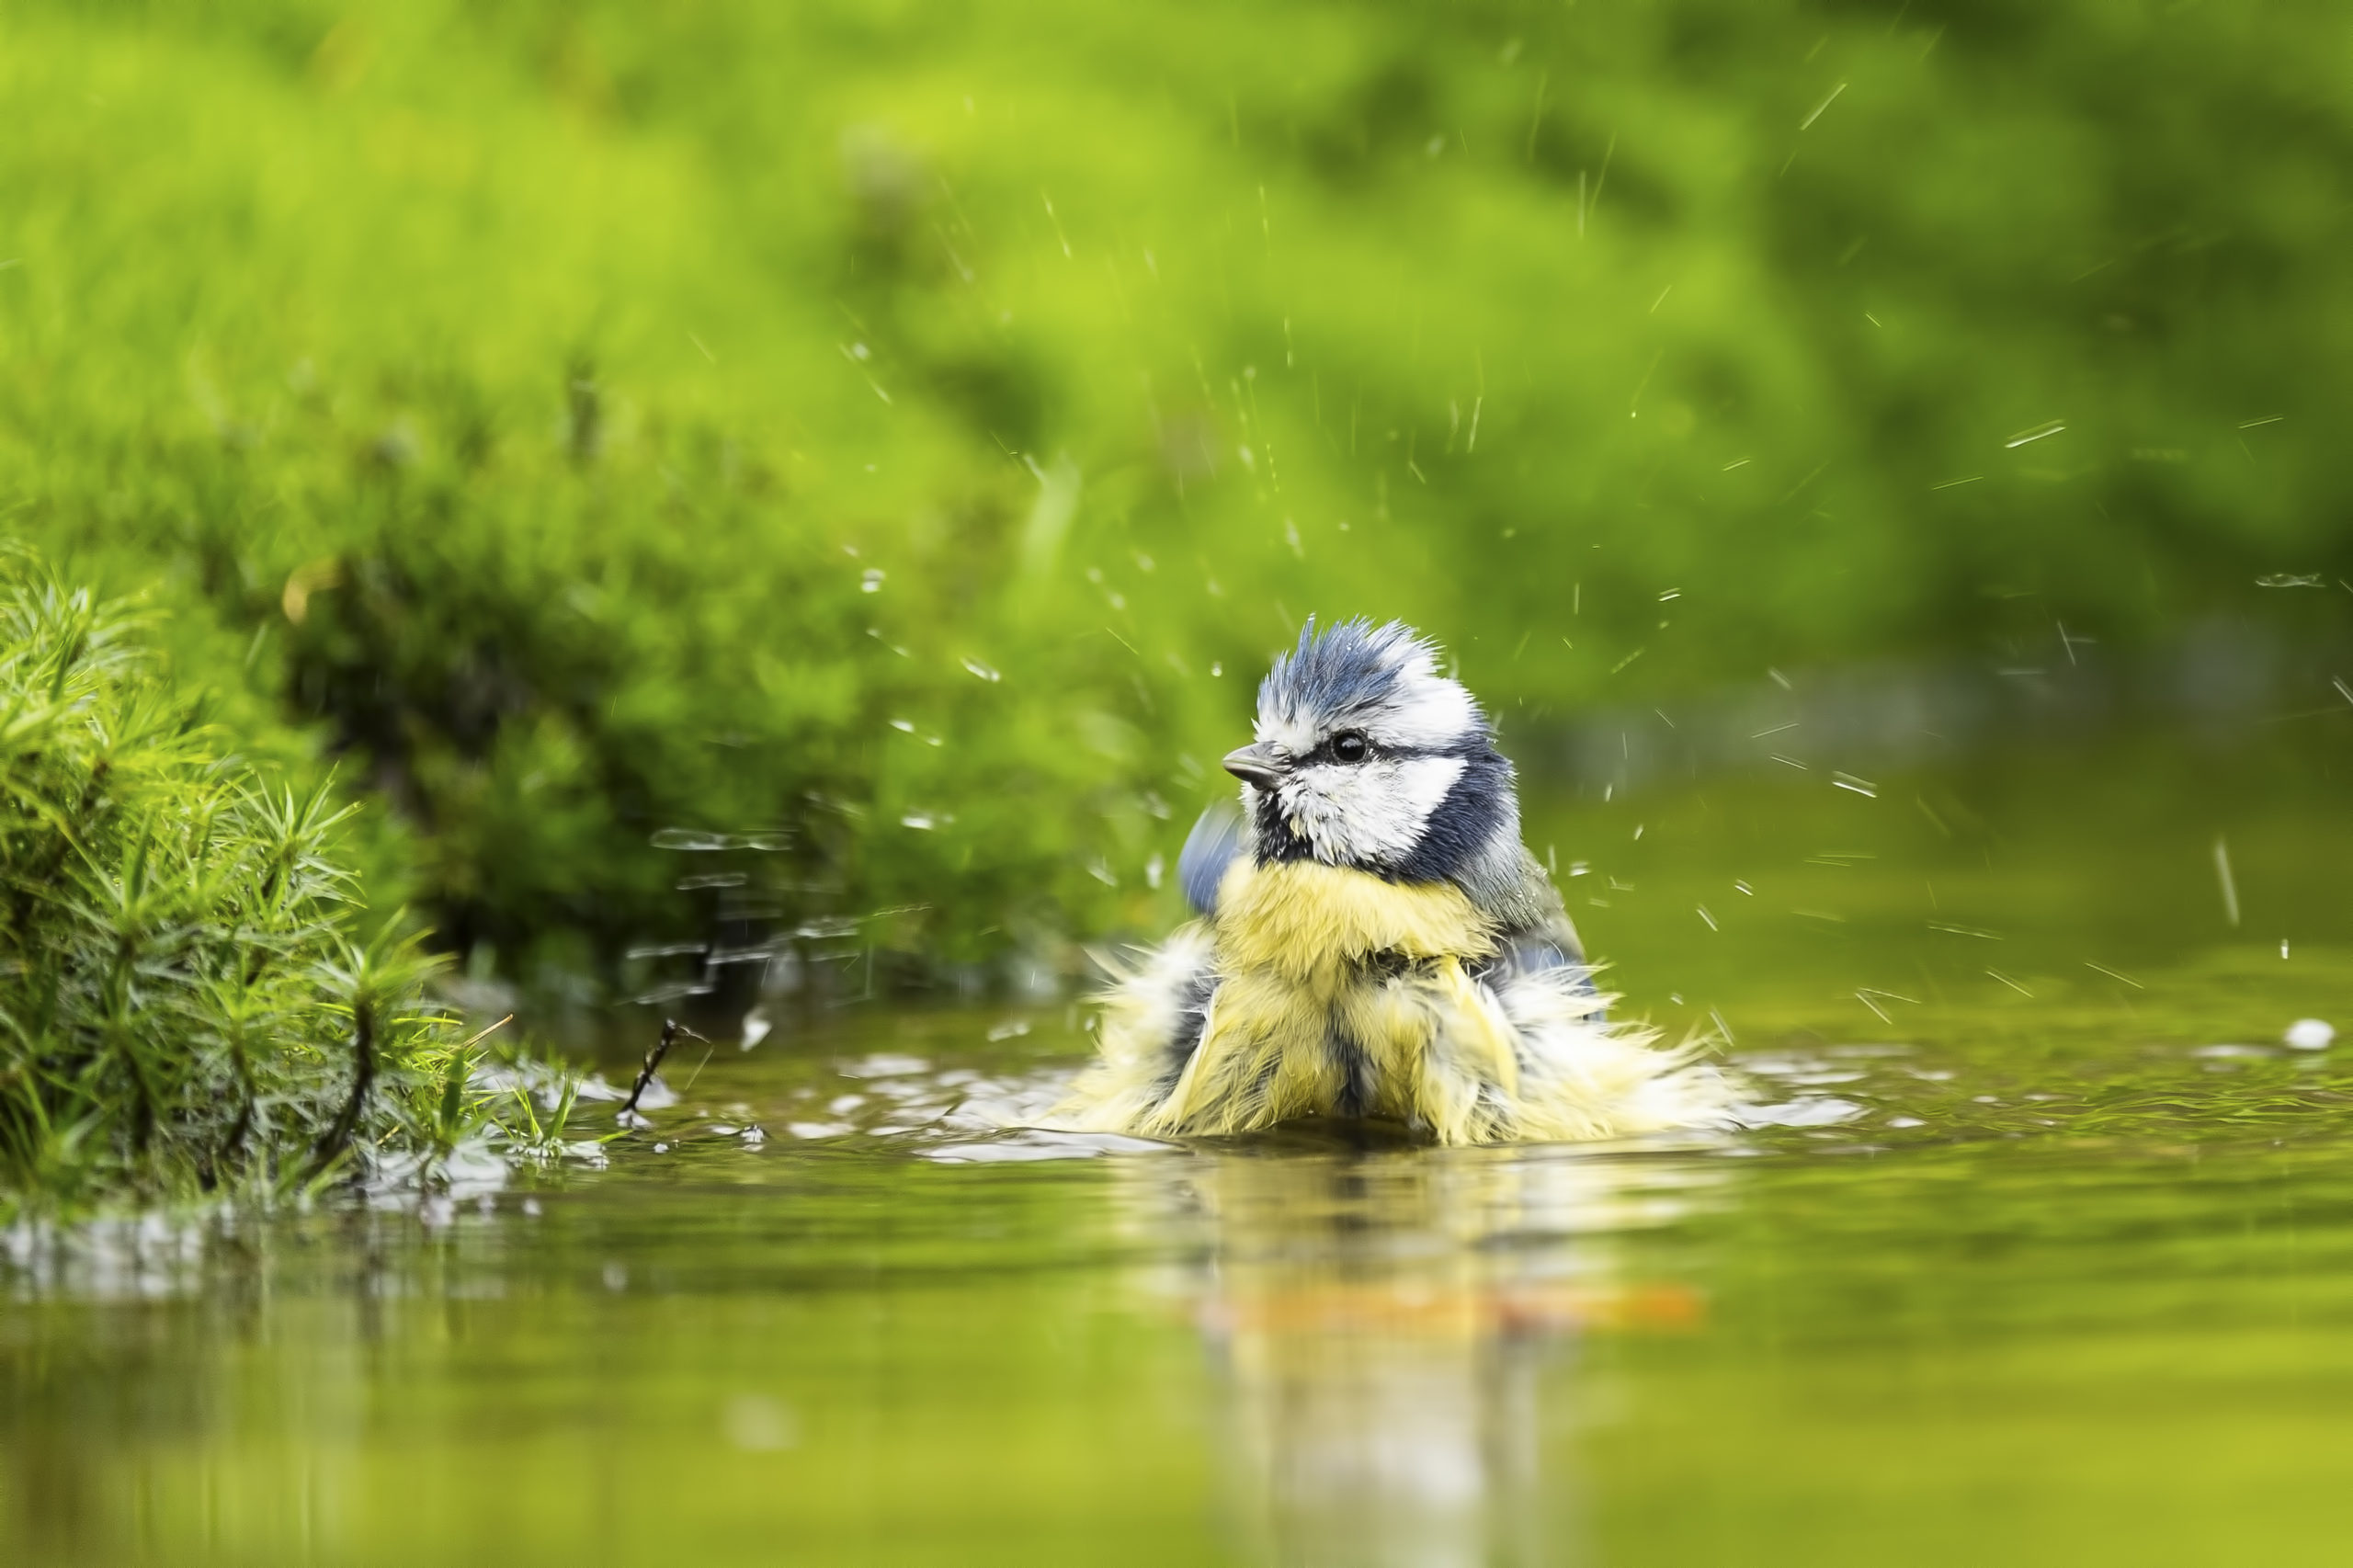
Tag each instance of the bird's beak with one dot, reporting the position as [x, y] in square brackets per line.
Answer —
[1255, 765]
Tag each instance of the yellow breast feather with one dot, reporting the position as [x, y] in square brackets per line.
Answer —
[1333, 992]
[1306, 921]
[1295, 943]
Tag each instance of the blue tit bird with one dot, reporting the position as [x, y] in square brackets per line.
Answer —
[1375, 941]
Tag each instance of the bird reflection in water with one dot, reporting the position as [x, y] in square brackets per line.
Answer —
[1394, 1326]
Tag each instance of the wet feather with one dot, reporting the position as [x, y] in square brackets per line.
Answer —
[1374, 947]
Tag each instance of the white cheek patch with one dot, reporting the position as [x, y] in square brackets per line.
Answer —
[1369, 813]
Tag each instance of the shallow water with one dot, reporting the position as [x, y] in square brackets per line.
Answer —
[2044, 1253]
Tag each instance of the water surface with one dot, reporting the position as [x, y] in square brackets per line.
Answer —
[2041, 1251]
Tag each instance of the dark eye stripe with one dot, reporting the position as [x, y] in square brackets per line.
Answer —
[1469, 747]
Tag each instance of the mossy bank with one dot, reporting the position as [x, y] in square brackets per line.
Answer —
[194, 1000]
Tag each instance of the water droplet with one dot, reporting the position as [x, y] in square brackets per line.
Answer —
[759, 1426]
[2310, 1034]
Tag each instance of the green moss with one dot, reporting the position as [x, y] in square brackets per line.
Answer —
[185, 1005]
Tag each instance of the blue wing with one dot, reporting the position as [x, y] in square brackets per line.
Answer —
[1209, 850]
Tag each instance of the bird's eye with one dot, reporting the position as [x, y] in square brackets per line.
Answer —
[1350, 747]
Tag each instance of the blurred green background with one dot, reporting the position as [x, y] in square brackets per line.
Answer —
[885, 441]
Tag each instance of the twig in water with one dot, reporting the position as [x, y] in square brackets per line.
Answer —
[671, 1030]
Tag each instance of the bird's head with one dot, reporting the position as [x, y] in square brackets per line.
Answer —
[1367, 757]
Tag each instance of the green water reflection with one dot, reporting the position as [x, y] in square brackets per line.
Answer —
[2026, 1258]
